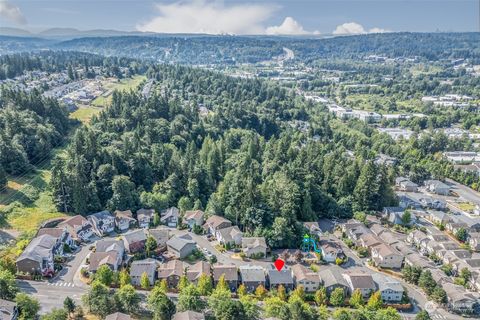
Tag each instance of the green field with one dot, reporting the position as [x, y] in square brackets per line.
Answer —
[85, 113]
[380, 104]
[123, 84]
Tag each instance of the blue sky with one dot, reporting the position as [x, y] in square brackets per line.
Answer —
[244, 17]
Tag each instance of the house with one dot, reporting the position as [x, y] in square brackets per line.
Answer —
[161, 237]
[369, 240]
[395, 215]
[8, 310]
[229, 236]
[62, 238]
[229, 272]
[145, 217]
[437, 187]
[283, 278]
[354, 230]
[332, 278]
[118, 316]
[254, 247]
[171, 272]
[407, 202]
[194, 272]
[193, 218]
[474, 241]
[438, 238]
[405, 184]
[134, 241]
[181, 246]
[454, 227]
[360, 281]
[215, 223]
[252, 276]
[304, 277]
[313, 228]
[78, 227]
[439, 217]
[37, 258]
[110, 245]
[439, 276]
[103, 222]
[170, 217]
[139, 267]
[416, 237]
[430, 203]
[418, 260]
[461, 301]
[124, 220]
[385, 256]
[389, 238]
[391, 290]
[188, 315]
[331, 251]
[111, 258]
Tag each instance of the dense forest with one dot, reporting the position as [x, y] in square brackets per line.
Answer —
[243, 160]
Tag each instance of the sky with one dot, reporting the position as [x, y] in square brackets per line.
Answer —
[276, 17]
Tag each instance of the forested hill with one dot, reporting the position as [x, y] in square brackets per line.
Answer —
[241, 159]
[203, 49]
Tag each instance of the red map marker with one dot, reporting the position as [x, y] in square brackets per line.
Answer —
[279, 263]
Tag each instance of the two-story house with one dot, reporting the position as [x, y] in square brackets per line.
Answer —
[170, 217]
[215, 223]
[229, 273]
[171, 272]
[252, 277]
[79, 227]
[134, 241]
[385, 256]
[103, 222]
[306, 278]
[145, 217]
[37, 258]
[124, 220]
[194, 218]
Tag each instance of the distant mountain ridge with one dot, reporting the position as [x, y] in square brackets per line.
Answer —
[67, 33]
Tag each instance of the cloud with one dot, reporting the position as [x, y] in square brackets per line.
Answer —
[355, 28]
[11, 12]
[289, 27]
[208, 16]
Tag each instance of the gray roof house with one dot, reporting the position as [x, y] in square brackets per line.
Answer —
[390, 289]
[283, 277]
[332, 278]
[252, 276]
[145, 217]
[139, 267]
[112, 259]
[188, 315]
[194, 272]
[170, 217]
[103, 222]
[181, 246]
[254, 246]
[215, 223]
[118, 316]
[229, 235]
[123, 219]
[437, 187]
[161, 236]
[194, 218]
[171, 271]
[229, 272]
[134, 240]
[37, 258]
[461, 301]
[8, 310]
[361, 281]
[405, 184]
[79, 227]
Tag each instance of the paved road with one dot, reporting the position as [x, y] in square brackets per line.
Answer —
[464, 191]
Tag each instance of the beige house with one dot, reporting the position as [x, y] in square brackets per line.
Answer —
[254, 246]
[304, 277]
[385, 256]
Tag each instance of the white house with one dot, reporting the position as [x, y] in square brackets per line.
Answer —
[386, 257]
[103, 222]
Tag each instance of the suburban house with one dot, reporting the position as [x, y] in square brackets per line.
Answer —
[385, 256]
[283, 278]
[170, 217]
[229, 236]
[404, 184]
[389, 238]
[391, 290]
[161, 237]
[407, 202]
[474, 241]
[252, 276]
[8, 310]
[145, 217]
[123, 219]
[118, 316]
[111, 258]
[439, 217]
[395, 215]
[418, 260]
[110, 245]
[171, 271]
[139, 267]
[369, 240]
[436, 204]
[62, 237]
[437, 187]
[215, 223]
[194, 218]
[181, 246]
[360, 281]
[188, 315]
[305, 277]
[194, 272]
[353, 230]
[79, 227]
[313, 228]
[331, 250]
[377, 229]
[254, 246]
[416, 237]
[459, 300]
[134, 241]
[332, 278]
[453, 227]
[229, 272]
[37, 258]
[103, 222]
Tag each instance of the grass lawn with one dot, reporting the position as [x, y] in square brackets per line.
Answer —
[85, 113]
[424, 69]
[123, 84]
[466, 206]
